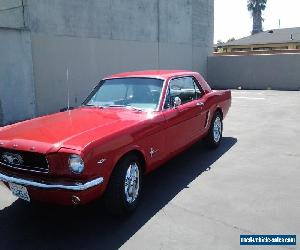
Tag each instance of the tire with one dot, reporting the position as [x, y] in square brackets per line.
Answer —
[214, 136]
[124, 189]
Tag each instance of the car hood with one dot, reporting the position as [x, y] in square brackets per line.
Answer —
[67, 129]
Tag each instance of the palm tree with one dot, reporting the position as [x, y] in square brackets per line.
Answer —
[256, 7]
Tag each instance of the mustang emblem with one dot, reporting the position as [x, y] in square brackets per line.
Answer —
[11, 158]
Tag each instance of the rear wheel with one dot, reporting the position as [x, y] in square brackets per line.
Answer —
[214, 135]
[124, 189]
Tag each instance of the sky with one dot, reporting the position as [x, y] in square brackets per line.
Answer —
[232, 18]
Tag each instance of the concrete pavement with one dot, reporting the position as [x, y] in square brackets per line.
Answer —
[202, 199]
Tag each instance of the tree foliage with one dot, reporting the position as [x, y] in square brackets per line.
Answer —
[256, 7]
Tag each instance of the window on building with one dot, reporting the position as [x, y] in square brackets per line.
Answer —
[262, 48]
[240, 49]
[280, 48]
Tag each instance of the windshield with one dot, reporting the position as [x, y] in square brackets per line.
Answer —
[140, 93]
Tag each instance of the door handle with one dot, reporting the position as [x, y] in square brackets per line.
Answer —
[201, 104]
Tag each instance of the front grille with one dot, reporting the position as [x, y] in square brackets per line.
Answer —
[23, 160]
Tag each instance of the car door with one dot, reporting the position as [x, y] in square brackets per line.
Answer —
[183, 123]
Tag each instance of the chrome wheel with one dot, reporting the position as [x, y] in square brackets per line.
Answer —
[217, 129]
[132, 182]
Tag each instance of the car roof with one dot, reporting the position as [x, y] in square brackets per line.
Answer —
[161, 74]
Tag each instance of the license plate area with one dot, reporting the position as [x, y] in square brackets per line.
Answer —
[19, 191]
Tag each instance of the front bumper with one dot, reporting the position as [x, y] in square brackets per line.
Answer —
[35, 184]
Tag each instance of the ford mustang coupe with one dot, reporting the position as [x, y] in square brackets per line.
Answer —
[130, 124]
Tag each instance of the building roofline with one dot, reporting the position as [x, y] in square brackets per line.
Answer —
[273, 36]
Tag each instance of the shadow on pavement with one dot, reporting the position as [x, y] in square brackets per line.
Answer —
[89, 227]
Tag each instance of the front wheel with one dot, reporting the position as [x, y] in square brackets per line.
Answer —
[214, 135]
[124, 189]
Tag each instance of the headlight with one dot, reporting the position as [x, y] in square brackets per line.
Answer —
[76, 164]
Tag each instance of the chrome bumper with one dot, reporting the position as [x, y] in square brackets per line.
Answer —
[74, 187]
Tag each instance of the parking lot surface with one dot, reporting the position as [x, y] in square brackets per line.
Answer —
[202, 199]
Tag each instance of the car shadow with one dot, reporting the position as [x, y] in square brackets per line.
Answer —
[89, 227]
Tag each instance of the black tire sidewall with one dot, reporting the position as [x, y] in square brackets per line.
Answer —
[127, 162]
[210, 138]
[115, 198]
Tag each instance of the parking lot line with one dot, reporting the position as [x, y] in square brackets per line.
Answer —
[249, 98]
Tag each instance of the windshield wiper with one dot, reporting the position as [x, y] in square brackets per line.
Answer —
[124, 106]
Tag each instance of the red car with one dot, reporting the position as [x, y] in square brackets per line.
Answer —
[130, 124]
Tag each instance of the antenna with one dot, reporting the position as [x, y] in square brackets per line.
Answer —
[68, 90]
[279, 23]
[158, 33]
[68, 94]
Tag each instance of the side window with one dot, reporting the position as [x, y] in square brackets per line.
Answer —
[185, 88]
[199, 91]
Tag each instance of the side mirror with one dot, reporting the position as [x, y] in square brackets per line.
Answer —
[177, 102]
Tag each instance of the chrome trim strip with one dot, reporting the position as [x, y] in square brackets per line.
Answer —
[161, 96]
[27, 169]
[207, 119]
[75, 187]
